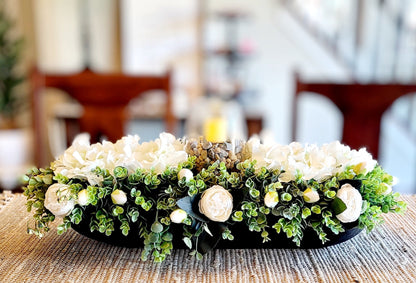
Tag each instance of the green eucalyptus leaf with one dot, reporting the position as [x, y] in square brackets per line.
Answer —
[168, 237]
[207, 230]
[187, 242]
[156, 227]
[286, 197]
[153, 237]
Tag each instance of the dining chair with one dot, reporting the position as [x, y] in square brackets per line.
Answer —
[103, 97]
[361, 105]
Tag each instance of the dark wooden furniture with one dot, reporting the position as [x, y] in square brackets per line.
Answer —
[254, 124]
[362, 106]
[103, 97]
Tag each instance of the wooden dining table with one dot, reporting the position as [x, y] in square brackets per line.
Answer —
[387, 254]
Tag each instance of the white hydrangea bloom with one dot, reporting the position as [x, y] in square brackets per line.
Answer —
[255, 150]
[81, 158]
[319, 165]
[311, 161]
[163, 152]
[362, 161]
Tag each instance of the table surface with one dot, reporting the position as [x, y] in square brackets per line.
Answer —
[387, 254]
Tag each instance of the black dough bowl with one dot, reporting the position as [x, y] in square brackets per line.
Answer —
[243, 238]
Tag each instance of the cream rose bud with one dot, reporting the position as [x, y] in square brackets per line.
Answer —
[185, 173]
[57, 200]
[271, 199]
[216, 203]
[178, 215]
[353, 200]
[119, 197]
[83, 197]
[310, 196]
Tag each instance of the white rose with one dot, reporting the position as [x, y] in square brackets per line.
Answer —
[185, 173]
[216, 203]
[83, 197]
[310, 196]
[178, 215]
[119, 197]
[271, 199]
[353, 200]
[57, 200]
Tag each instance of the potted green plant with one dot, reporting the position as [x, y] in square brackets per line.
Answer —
[13, 138]
[9, 57]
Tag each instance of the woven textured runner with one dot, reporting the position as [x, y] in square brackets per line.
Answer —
[5, 197]
[387, 254]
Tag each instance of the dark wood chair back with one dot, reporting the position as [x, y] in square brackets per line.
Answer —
[103, 97]
[362, 107]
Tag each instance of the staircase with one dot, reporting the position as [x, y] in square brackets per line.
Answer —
[374, 40]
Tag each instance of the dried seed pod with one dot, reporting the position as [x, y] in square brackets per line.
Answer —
[208, 152]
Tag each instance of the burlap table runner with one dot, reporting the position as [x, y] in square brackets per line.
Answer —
[5, 197]
[385, 255]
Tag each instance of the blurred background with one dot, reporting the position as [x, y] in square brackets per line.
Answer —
[232, 63]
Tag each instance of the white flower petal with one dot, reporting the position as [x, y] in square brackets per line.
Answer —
[353, 200]
[57, 200]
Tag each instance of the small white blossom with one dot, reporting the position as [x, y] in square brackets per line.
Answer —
[119, 197]
[353, 200]
[185, 173]
[271, 199]
[58, 201]
[178, 215]
[83, 197]
[310, 196]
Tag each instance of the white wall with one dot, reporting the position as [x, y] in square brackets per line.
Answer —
[280, 49]
[58, 31]
[161, 35]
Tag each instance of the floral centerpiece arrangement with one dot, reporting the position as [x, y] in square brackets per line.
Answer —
[194, 193]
